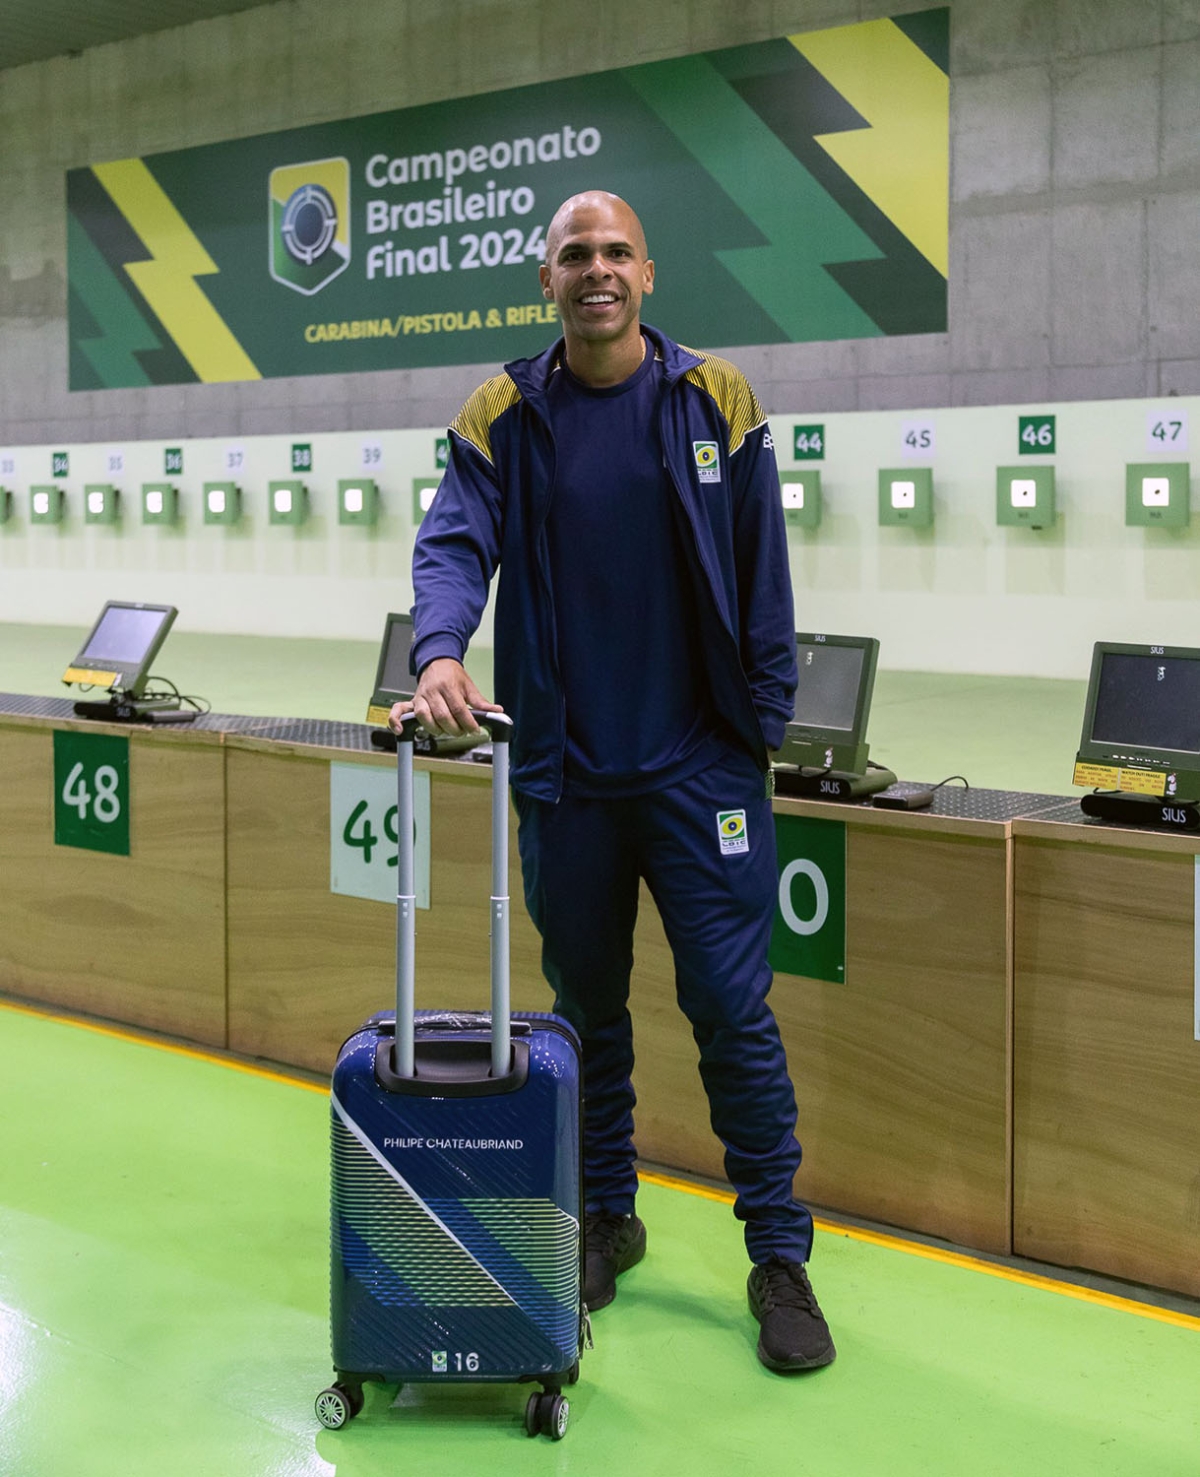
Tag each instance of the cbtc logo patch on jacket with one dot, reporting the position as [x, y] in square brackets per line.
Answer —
[708, 461]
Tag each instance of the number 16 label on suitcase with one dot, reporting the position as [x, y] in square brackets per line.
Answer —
[362, 832]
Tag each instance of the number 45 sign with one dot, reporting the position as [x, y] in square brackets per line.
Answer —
[363, 835]
[91, 791]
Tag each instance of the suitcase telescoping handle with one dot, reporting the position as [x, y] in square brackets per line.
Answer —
[499, 726]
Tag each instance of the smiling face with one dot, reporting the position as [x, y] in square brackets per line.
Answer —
[597, 272]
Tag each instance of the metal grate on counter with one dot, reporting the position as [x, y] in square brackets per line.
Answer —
[319, 732]
[22, 705]
[978, 805]
[953, 800]
[315, 731]
[949, 800]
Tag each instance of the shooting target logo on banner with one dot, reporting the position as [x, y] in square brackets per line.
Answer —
[310, 223]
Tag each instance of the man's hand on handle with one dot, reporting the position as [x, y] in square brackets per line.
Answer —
[444, 698]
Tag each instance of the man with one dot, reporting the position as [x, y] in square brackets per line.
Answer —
[626, 489]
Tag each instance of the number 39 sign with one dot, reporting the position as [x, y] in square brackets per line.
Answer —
[363, 836]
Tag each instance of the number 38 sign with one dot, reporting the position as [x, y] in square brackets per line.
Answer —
[363, 836]
[91, 791]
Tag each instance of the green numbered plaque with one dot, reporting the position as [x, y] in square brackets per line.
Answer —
[1036, 435]
[91, 791]
[808, 937]
[808, 443]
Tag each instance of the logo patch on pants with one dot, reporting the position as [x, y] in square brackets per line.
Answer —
[731, 828]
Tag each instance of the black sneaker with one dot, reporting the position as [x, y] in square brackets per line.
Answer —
[794, 1334]
[611, 1245]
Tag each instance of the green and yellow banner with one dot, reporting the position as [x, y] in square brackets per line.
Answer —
[792, 190]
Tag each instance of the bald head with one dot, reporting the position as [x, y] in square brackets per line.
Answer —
[584, 206]
[596, 272]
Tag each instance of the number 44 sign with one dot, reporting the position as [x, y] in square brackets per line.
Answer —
[91, 791]
[363, 836]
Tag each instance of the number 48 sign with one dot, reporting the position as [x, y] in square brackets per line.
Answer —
[91, 791]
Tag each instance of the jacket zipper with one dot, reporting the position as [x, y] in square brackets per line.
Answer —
[764, 759]
[549, 589]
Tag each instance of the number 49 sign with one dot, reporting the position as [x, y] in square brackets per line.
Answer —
[91, 791]
[362, 832]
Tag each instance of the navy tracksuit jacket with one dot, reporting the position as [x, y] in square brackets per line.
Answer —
[582, 858]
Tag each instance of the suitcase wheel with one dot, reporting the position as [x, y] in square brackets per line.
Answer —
[548, 1412]
[337, 1405]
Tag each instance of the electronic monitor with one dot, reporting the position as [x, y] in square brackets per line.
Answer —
[395, 683]
[833, 699]
[121, 646]
[1141, 721]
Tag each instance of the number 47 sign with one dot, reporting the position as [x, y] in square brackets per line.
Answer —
[363, 836]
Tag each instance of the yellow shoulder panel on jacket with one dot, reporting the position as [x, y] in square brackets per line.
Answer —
[729, 387]
[489, 402]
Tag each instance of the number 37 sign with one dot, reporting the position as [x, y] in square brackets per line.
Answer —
[363, 836]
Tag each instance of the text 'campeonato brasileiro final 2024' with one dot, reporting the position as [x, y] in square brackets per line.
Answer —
[460, 205]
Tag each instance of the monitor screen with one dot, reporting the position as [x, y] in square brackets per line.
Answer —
[124, 635]
[1150, 702]
[827, 692]
[393, 675]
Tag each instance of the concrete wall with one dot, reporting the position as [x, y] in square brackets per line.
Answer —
[1075, 189]
[962, 596]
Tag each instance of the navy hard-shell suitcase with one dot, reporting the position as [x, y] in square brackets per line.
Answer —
[456, 1181]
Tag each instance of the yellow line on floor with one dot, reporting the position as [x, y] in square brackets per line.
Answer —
[668, 1182]
[195, 1053]
[954, 1259]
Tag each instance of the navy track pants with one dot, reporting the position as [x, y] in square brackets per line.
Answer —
[581, 861]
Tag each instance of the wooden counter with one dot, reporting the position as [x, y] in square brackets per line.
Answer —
[137, 938]
[1008, 1062]
[1107, 1080]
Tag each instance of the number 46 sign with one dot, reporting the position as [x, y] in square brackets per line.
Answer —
[363, 835]
[91, 791]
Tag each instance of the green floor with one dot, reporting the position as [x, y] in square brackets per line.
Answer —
[163, 1276]
[1002, 733]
